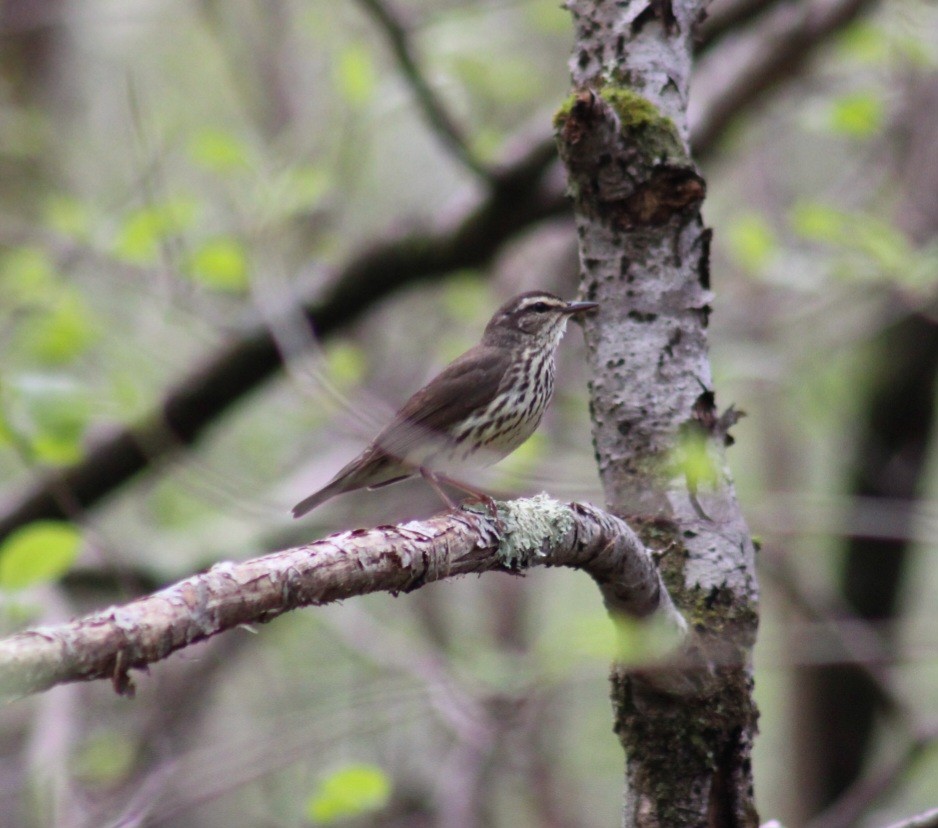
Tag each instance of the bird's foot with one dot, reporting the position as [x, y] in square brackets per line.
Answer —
[490, 505]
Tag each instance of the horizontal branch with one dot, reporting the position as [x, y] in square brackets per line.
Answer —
[535, 532]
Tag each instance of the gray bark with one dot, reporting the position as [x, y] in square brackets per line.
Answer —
[534, 532]
[659, 442]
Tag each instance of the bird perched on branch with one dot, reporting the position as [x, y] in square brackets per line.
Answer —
[478, 410]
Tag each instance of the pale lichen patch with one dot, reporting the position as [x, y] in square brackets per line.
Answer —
[529, 525]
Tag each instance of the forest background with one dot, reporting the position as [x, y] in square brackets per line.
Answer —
[177, 175]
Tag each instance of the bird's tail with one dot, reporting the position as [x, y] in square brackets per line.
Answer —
[318, 498]
[369, 471]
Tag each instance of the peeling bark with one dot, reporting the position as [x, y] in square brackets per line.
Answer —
[645, 258]
[536, 532]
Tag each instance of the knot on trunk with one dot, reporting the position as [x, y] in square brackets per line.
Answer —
[628, 164]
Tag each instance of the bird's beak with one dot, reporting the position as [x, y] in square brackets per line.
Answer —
[579, 307]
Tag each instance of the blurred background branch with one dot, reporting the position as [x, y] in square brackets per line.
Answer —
[388, 20]
[778, 49]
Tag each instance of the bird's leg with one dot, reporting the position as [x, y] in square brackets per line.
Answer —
[485, 499]
[436, 480]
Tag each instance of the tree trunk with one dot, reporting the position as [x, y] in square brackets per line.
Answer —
[644, 256]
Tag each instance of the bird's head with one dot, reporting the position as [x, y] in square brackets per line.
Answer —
[536, 317]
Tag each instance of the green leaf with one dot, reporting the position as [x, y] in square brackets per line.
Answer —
[589, 636]
[586, 635]
[297, 189]
[466, 297]
[695, 460]
[643, 641]
[304, 187]
[818, 222]
[39, 552]
[355, 74]
[60, 333]
[751, 241]
[54, 324]
[27, 274]
[104, 758]
[513, 81]
[487, 142]
[67, 215]
[917, 51]
[872, 248]
[8, 436]
[220, 264]
[143, 230]
[219, 151]
[57, 448]
[549, 18]
[55, 413]
[884, 243]
[857, 115]
[346, 363]
[351, 791]
[864, 43]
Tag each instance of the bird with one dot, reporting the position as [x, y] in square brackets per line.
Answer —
[475, 412]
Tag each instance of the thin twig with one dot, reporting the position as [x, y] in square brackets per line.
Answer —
[867, 655]
[457, 708]
[928, 819]
[860, 796]
[433, 109]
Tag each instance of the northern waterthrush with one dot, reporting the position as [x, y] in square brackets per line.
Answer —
[479, 409]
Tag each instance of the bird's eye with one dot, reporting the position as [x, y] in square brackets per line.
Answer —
[540, 307]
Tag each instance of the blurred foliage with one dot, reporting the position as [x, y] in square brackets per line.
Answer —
[858, 115]
[51, 323]
[348, 792]
[694, 459]
[219, 151]
[104, 758]
[751, 242]
[41, 551]
[867, 247]
[356, 78]
[194, 168]
[46, 415]
[590, 638]
[144, 230]
[346, 364]
[220, 264]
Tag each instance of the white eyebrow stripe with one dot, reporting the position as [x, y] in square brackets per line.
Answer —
[534, 300]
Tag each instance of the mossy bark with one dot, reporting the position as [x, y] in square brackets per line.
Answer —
[644, 253]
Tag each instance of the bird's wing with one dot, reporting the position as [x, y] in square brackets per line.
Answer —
[463, 387]
[467, 384]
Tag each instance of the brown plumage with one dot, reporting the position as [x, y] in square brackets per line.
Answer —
[476, 411]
